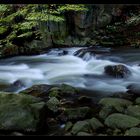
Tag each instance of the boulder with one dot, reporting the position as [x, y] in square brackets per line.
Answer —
[117, 71]
[116, 103]
[121, 121]
[20, 112]
[75, 113]
[53, 104]
[134, 89]
[133, 111]
[68, 126]
[137, 101]
[135, 131]
[63, 91]
[14, 86]
[80, 126]
[95, 124]
[106, 111]
[37, 90]
[84, 134]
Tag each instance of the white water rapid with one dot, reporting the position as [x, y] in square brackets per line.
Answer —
[55, 68]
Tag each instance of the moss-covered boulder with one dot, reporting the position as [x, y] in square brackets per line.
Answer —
[68, 126]
[121, 121]
[135, 131]
[106, 111]
[20, 112]
[134, 111]
[137, 101]
[95, 124]
[53, 104]
[116, 103]
[75, 113]
[84, 134]
[37, 90]
[63, 91]
[55, 92]
[80, 126]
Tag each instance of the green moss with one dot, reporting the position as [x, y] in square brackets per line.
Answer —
[80, 126]
[3, 29]
[121, 121]
[116, 103]
[19, 112]
[133, 132]
[53, 104]
[76, 113]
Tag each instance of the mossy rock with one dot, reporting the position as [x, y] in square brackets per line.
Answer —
[84, 134]
[37, 90]
[54, 92]
[76, 113]
[95, 124]
[68, 126]
[80, 126]
[134, 111]
[20, 112]
[53, 104]
[106, 111]
[121, 121]
[62, 91]
[68, 90]
[117, 103]
[137, 101]
[133, 132]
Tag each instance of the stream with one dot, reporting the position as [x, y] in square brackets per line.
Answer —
[72, 66]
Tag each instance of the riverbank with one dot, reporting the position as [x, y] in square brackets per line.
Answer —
[64, 111]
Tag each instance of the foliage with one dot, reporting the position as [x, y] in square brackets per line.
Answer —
[24, 20]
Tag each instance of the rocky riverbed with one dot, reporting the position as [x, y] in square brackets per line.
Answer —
[65, 111]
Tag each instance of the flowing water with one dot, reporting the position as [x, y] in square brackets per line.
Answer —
[62, 66]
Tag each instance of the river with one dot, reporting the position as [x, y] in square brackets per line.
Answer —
[66, 65]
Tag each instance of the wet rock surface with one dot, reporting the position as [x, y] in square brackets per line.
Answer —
[117, 71]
